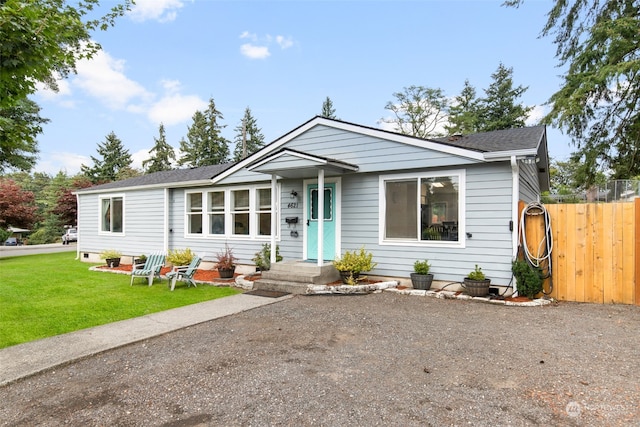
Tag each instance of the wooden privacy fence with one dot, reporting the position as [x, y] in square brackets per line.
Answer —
[596, 250]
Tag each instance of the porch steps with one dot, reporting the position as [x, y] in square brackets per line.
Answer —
[295, 276]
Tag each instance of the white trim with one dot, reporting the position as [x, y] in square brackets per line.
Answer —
[337, 212]
[165, 221]
[515, 199]
[101, 232]
[417, 242]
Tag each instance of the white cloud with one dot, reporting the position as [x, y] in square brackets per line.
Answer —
[103, 77]
[538, 112]
[258, 48]
[157, 10]
[284, 42]
[175, 108]
[55, 162]
[254, 52]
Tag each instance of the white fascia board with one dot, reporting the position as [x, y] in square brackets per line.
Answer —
[506, 155]
[288, 153]
[199, 183]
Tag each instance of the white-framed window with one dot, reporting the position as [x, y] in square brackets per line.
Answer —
[216, 212]
[424, 208]
[242, 212]
[112, 214]
[194, 213]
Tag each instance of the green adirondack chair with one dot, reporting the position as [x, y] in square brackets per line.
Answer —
[150, 269]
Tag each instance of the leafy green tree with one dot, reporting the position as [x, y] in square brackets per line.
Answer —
[41, 42]
[114, 158]
[204, 144]
[66, 206]
[327, 109]
[162, 154]
[419, 111]
[598, 104]
[499, 109]
[248, 131]
[464, 112]
[20, 123]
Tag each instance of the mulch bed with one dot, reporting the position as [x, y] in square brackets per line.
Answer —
[201, 275]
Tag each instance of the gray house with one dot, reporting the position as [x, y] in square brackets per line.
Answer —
[453, 201]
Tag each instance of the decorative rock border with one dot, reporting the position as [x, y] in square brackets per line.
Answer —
[456, 295]
[349, 289]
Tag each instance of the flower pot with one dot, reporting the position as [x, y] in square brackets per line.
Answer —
[421, 281]
[226, 273]
[345, 276]
[476, 288]
[113, 262]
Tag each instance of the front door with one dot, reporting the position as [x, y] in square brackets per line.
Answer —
[329, 225]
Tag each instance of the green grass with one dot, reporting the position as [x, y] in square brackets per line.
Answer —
[52, 294]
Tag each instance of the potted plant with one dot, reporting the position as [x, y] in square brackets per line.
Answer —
[528, 278]
[476, 283]
[421, 278]
[351, 264]
[226, 262]
[111, 256]
[179, 257]
[140, 260]
[262, 258]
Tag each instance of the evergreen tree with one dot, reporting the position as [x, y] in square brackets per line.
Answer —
[253, 137]
[463, 114]
[162, 154]
[114, 159]
[499, 109]
[204, 144]
[327, 109]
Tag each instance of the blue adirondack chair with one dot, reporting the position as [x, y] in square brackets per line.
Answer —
[150, 269]
[184, 273]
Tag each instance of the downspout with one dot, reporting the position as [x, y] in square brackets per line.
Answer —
[515, 199]
[274, 217]
[78, 226]
[165, 219]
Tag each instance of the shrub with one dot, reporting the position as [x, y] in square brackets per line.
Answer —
[225, 259]
[355, 262]
[262, 259]
[110, 254]
[421, 267]
[528, 278]
[180, 256]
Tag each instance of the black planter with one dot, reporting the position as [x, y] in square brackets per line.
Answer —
[421, 281]
[345, 275]
[226, 273]
[476, 288]
[113, 262]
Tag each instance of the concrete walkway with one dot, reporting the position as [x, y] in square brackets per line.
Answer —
[23, 360]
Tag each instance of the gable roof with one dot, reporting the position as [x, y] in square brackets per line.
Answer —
[499, 140]
[185, 177]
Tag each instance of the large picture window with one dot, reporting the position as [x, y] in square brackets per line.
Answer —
[422, 208]
[112, 214]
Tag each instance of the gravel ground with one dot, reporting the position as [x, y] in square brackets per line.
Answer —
[382, 359]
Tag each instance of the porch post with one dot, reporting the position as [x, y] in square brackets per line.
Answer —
[274, 216]
[320, 217]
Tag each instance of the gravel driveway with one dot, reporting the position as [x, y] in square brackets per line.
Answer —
[381, 359]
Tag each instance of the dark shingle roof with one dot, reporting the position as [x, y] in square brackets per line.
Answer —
[499, 140]
[203, 173]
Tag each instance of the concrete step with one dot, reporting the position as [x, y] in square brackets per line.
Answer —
[281, 286]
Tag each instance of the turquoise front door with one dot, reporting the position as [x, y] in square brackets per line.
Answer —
[329, 224]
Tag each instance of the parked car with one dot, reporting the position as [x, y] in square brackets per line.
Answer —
[70, 236]
[11, 241]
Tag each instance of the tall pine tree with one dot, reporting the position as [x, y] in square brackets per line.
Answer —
[253, 137]
[204, 144]
[500, 109]
[327, 109]
[162, 154]
[115, 158]
[463, 114]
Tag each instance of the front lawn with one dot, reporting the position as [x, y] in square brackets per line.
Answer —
[51, 294]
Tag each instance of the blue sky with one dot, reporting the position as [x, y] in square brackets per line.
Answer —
[165, 60]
